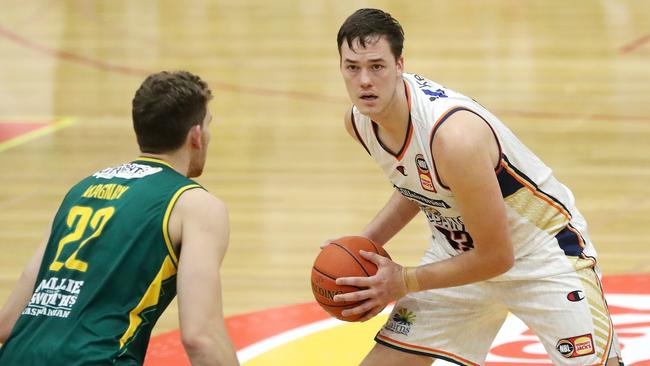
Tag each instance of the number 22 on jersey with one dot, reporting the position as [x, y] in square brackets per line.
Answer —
[83, 216]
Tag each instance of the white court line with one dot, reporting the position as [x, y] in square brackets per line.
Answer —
[248, 353]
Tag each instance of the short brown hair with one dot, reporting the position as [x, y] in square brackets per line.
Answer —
[165, 107]
[367, 24]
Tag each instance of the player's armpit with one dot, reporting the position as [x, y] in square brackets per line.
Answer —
[204, 239]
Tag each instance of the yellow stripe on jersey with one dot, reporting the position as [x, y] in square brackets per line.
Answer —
[530, 202]
[537, 211]
[603, 328]
[150, 298]
[165, 225]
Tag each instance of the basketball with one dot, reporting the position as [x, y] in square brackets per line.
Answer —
[342, 259]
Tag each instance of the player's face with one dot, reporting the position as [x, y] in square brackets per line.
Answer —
[198, 157]
[371, 74]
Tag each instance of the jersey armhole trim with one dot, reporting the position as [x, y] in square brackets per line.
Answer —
[165, 224]
[442, 120]
[356, 131]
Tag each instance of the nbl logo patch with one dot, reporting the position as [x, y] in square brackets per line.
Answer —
[576, 346]
[423, 171]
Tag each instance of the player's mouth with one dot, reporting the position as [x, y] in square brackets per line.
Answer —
[368, 97]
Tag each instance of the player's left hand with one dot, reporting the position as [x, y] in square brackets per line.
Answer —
[385, 286]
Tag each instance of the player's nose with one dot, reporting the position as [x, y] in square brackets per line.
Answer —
[364, 78]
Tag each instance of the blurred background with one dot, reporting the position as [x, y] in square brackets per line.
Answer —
[572, 79]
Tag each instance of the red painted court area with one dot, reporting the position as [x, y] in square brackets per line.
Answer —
[629, 303]
[10, 130]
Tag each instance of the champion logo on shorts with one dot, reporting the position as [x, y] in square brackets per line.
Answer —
[575, 296]
[576, 346]
[401, 321]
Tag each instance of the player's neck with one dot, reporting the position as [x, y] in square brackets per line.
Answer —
[177, 160]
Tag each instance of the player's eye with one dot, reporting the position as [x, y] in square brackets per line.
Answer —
[352, 67]
[377, 67]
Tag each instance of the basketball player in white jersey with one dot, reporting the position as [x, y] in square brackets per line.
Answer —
[506, 235]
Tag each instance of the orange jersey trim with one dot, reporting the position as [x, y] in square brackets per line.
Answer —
[430, 351]
[409, 132]
[410, 127]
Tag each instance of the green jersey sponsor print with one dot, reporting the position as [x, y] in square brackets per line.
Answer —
[108, 271]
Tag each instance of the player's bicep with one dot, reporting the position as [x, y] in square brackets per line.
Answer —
[464, 150]
[204, 239]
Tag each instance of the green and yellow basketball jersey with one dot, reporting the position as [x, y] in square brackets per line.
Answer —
[108, 271]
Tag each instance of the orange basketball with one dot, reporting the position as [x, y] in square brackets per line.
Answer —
[342, 259]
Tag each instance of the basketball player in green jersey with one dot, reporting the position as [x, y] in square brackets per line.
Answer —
[113, 260]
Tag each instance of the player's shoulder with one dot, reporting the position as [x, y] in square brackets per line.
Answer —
[200, 202]
[461, 136]
[463, 126]
[348, 120]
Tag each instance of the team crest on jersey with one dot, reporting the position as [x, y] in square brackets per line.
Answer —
[127, 171]
[576, 346]
[401, 321]
[425, 175]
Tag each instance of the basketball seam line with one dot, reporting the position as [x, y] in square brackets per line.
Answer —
[376, 246]
[350, 304]
[353, 257]
[334, 278]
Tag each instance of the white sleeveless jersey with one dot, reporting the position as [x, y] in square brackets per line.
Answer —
[548, 233]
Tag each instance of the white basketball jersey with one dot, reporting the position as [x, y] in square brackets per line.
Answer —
[548, 233]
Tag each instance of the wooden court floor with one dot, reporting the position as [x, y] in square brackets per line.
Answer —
[571, 78]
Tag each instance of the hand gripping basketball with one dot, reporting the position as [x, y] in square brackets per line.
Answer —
[385, 286]
[341, 258]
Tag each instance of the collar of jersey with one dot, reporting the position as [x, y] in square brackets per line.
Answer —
[407, 139]
[154, 160]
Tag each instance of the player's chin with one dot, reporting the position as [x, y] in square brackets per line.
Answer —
[366, 108]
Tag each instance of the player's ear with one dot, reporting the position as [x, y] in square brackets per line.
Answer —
[194, 136]
[400, 65]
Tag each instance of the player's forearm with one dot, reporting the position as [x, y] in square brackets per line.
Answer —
[397, 212]
[15, 304]
[20, 296]
[463, 269]
[210, 350]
